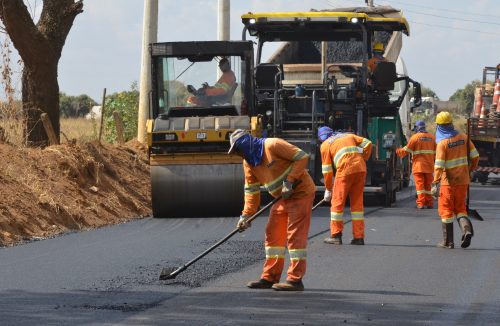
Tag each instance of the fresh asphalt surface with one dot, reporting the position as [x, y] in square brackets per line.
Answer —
[110, 276]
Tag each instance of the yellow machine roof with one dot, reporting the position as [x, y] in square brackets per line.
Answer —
[392, 17]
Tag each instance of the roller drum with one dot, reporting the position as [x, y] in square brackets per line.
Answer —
[203, 190]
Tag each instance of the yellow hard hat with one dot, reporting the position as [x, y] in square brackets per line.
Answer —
[444, 118]
[378, 47]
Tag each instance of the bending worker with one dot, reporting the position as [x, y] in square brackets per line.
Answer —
[422, 147]
[455, 158]
[277, 165]
[343, 157]
[208, 95]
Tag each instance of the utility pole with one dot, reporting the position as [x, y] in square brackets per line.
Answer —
[223, 20]
[149, 35]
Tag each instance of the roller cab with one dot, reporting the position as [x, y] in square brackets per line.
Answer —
[188, 133]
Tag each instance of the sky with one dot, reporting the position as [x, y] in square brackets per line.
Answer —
[450, 40]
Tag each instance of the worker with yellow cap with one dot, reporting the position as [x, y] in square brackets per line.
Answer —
[377, 57]
[455, 158]
[278, 166]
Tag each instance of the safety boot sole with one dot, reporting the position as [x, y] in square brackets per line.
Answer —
[466, 238]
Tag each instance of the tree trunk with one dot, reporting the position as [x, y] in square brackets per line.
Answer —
[40, 94]
[40, 48]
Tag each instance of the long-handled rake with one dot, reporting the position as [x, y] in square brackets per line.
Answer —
[169, 273]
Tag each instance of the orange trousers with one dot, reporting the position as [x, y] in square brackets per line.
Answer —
[288, 225]
[351, 185]
[452, 202]
[423, 184]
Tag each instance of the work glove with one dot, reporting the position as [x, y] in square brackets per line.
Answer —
[327, 197]
[435, 188]
[287, 189]
[243, 224]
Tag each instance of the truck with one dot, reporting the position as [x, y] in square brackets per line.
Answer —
[483, 127]
[319, 77]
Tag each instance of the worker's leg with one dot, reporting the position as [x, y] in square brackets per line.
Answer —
[429, 201]
[339, 196]
[460, 210]
[445, 210]
[299, 220]
[357, 207]
[275, 242]
[420, 186]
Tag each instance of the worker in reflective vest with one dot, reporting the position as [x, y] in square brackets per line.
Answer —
[451, 179]
[281, 168]
[343, 157]
[422, 147]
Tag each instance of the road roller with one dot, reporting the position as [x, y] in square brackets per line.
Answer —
[201, 93]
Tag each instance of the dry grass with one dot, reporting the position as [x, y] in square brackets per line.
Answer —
[459, 122]
[81, 129]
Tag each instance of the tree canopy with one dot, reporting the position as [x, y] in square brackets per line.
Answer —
[465, 96]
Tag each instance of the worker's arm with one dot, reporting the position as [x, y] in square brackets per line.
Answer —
[474, 156]
[252, 191]
[408, 149]
[327, 166]
[366, 145]
[439, 163]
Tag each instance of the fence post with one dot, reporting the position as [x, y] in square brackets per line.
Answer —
[120, 133]
[49, 129]
[102, 112]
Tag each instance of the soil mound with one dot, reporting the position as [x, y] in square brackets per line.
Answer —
[44, 192]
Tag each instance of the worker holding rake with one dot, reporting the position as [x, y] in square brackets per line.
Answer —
[281, 168]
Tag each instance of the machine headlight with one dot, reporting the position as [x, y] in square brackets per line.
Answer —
[252, 21]
[354, 20]
[269, 113]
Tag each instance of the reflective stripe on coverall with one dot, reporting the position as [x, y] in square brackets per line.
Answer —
[422, 147]
[347, 153]
[289, 219]
[452, 170]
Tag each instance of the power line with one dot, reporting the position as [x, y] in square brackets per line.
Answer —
[447, 10]
[451, 18]
[455, 28]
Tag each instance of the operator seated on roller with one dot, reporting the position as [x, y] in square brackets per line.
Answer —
[208, 95]
[377, 57]
[281, 168]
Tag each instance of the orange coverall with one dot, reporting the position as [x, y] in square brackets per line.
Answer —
[346, 154]
[290, 218]
[422, 147]
[373, 62]
[223, 85]
[452, 170]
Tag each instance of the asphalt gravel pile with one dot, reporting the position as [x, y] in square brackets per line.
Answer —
[230, 257]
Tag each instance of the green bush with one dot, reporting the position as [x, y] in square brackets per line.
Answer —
[127, 105]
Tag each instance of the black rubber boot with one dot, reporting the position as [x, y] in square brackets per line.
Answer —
[336, 239]
[447, 236]
[260, 284]
[358, 241]
[467, 231]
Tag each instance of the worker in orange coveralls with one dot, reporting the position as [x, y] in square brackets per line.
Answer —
[343, 157]
[277, 165]
[378, 56]
[206, 94]
[422, 147]
[454, 161]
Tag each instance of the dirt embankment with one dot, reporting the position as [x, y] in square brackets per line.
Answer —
[68, 187]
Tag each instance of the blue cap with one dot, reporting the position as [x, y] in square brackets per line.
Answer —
[420, 123]
[324, 133]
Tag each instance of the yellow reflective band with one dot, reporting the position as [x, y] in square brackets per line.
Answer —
[251, 189]
[357, 216]
[275, 252]
[297, 254]
[474, 153]
[224, 86]
[344, 151]
[462, 215]
[447, 220]
[326, 168]
[451, 164]
[275, 185]
[424, 192]
[424, 151]
[407, 149]
[300, 155]
[337, 216]
[365, 143]
[439, 164]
